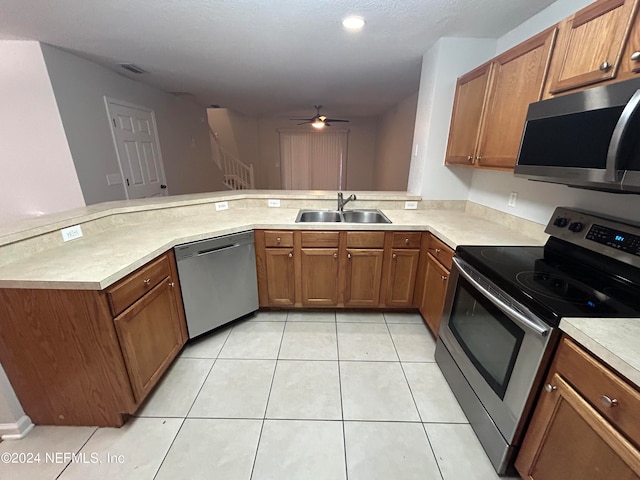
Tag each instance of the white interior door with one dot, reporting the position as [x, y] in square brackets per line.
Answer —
[136, 139]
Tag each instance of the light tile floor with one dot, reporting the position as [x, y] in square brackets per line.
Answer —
[286, 396]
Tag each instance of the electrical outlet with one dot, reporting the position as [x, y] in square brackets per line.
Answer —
[70, 233]
[410, 205]
[274, 202]
[221, 206]
[513, 198]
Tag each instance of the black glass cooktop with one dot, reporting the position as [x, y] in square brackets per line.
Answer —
[558, 281]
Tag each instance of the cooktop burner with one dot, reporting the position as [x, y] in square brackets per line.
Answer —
[552, 284]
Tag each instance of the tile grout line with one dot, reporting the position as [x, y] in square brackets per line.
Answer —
[344, 434]
[264, 418]
[435, 457]
[78, 451]
[169, 449]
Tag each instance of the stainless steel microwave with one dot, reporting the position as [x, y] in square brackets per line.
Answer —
[588, 139]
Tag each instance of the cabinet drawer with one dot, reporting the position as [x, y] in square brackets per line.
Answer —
[441, 251]
[320, 239]
[365, 239]
[277, 238]
[594, 381]
[406, 240]
[128, 290]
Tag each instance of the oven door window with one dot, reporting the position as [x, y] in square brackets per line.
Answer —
[488, 337]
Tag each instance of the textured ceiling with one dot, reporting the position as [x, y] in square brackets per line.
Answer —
[266, 56]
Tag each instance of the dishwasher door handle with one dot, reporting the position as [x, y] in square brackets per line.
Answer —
[215, 249]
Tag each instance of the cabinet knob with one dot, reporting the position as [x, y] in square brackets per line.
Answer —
[550, 388]
[394, 256]
[348, 255]
[604, 66]
[437, 251]
[608, 401]
[635, 56]
[470, 159]
[278, 239]
[172, 284]
[147, 281]
[335, 255]
[406, 241]
[443, 277]
[290, 255]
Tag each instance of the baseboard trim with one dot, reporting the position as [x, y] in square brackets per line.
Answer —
[17, 430]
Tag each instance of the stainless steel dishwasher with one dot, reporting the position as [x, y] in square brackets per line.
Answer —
[218, 280]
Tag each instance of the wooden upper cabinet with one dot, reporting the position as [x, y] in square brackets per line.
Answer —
[467, 115]
[590, 44]
[630, 64]
[517, 79]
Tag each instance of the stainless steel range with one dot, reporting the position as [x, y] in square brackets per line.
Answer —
[504, 305]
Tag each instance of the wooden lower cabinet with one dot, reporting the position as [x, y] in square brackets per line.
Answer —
[71, 362]
[584, 425]
[280, 276]
[363, 273]
[435, 289]
[150, 337]
[319, 267]
[403, 266]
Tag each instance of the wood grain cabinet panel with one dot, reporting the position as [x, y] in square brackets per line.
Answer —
[402, 277]
[280, 277]
[150, 337]
[319, 267]
[517, 79]
[590, 44]
[630, 63]
[363, 274]
[569, 437]
[435, 288]
[467, 113]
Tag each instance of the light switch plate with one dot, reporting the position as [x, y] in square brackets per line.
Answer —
[513, 199]
[410, 205]
[221, 206]
[274, 202]
[71, 233]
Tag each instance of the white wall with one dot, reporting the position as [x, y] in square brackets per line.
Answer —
[38, 175]
[536, 201]
[80, 86]
[441, 66]
[393, 145]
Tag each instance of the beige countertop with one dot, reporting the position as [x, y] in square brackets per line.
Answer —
[614, 340]
[96, 261]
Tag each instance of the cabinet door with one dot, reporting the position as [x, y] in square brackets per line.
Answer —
[630, 65]
[435, 288]
[280, 274]
[363, 274]
[150, 336]
[568, 439]
[319, 269]
[402, 277]
[517, 80]
[590, 44]
[466, 117]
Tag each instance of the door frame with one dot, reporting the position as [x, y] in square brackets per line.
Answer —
[110, 100]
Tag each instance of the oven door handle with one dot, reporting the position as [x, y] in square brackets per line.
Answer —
[512, 313]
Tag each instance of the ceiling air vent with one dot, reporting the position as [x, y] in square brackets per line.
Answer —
[130, 67]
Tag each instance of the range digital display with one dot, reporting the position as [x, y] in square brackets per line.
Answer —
[615, 238]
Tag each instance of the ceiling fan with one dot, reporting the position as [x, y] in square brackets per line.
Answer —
[319, 121]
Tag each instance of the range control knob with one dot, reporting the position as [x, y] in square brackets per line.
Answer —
[561, 222]
[576, 227]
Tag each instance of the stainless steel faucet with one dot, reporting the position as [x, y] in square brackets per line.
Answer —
[342, 202]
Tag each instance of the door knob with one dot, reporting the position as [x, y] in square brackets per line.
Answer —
[604, 66]
[163, 186]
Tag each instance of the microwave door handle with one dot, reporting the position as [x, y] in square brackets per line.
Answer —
[613, 154]
[516, 316]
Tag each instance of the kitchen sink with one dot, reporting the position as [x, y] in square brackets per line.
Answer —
[318, 216]
[364, 216]
[348, 216]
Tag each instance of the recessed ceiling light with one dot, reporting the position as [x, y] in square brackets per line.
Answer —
[353, 23]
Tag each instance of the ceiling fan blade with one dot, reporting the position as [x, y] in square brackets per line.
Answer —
[335, 120]
[308, 121]
[300, 118]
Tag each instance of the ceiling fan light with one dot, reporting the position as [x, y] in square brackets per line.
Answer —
[318, 124]
[353, 23]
